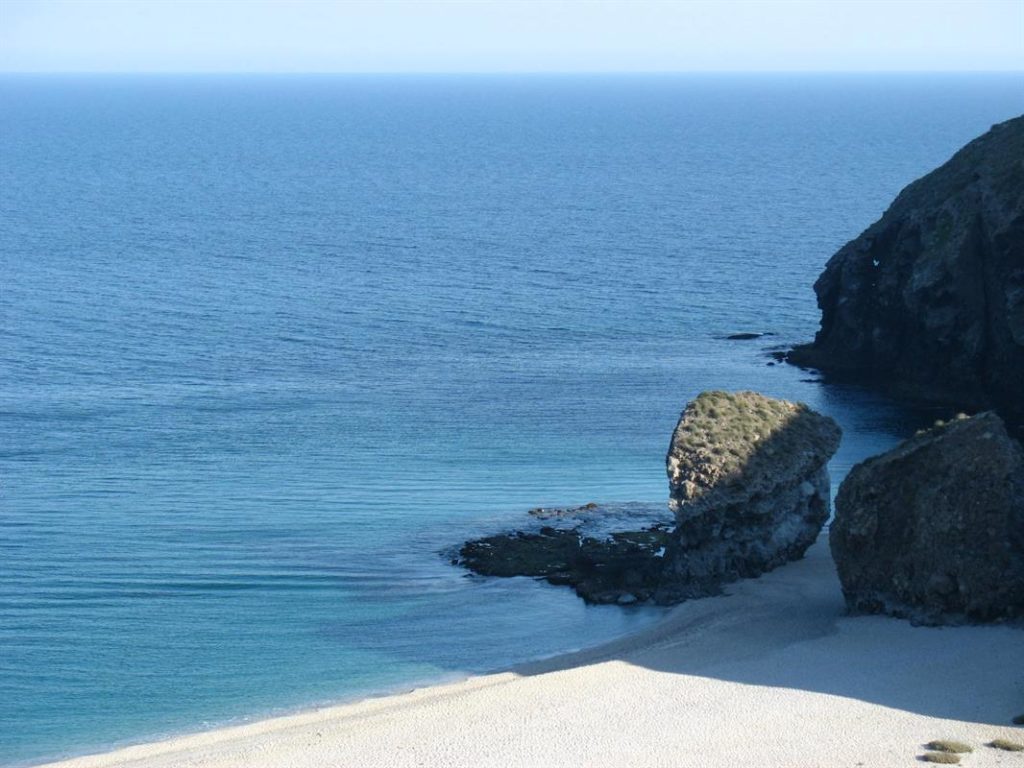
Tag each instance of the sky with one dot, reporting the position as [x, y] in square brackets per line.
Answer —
[510, 35]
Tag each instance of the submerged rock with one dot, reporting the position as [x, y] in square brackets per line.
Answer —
[608, 554]
[934, 529]
[748, 335]
[929, 300]
[749, 488]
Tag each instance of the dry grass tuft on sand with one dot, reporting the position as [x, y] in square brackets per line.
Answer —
[1006, 745]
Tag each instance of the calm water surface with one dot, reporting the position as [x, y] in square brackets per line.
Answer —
[270, 345]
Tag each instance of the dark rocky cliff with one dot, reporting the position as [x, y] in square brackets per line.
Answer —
[929, 300]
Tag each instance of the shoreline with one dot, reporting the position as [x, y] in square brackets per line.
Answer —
[772, 673]
[452, 678]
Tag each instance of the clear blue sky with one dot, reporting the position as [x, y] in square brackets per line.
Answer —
[509, 36]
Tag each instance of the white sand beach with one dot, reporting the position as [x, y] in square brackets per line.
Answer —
[772, 674]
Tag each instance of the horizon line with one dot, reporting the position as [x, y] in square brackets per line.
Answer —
[512, 72]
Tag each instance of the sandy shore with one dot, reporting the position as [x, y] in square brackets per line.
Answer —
[771, 675]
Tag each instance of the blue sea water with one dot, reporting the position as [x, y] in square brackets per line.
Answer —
[270, 345]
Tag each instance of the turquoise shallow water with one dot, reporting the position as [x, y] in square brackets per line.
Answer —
[270, 345]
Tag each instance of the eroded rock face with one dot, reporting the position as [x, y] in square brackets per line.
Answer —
[749, 488]
[748, 492]
[929, 300]
[934, 529]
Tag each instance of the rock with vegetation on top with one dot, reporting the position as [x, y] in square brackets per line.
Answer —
[929, 300]
[933, 530]
[749, 488]
[749, 492]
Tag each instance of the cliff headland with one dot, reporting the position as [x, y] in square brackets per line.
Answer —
[929, 300]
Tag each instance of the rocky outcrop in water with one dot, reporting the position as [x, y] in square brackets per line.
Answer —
[749, 488]
[934, 529]
[608, 554]
[749, 491]
[929, 300]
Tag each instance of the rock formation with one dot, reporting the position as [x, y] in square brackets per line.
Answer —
[929, 300]
[934, 529]
[749, 492]
[749, 488]
[608, 554]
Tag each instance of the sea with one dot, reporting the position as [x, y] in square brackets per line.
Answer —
[271, 347]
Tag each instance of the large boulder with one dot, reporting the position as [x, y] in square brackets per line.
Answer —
[749, 488]
[749, 492]
[929, 300]
[934, 529]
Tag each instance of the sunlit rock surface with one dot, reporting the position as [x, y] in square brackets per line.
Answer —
[748, 492]
[749, 488]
